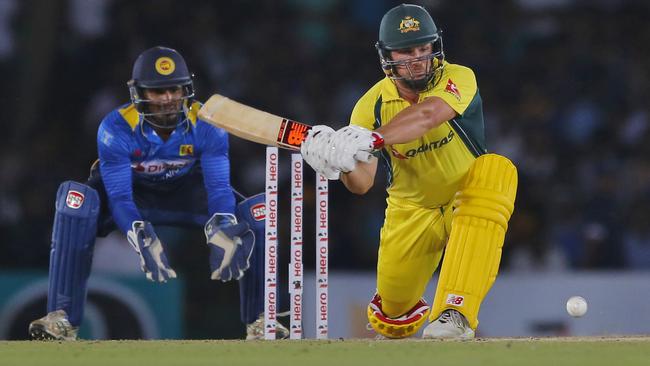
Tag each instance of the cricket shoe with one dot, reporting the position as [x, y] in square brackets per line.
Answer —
[255, 330]
[55, 326]
[399, 327]
[451, 324]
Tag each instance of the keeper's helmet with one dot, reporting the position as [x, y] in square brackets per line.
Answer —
[407, 26]
[160, 68]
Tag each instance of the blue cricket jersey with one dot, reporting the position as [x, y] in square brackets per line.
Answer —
[130, 151]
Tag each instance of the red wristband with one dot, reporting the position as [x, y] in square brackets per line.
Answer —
[378, 141]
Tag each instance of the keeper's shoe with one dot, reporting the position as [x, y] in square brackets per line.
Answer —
[53, 327]
[255, 330]
[450, 325]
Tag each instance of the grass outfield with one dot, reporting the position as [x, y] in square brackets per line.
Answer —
[501, 352]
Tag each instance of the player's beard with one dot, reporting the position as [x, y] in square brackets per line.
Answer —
[418, 85]
[167, 120]
[166, 117]
[419, 77]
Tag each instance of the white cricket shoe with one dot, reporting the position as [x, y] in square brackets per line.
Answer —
[255, 330]
[451, 325]
[53, 327]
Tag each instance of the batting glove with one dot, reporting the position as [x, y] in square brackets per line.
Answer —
[315, 150]
[351, 144]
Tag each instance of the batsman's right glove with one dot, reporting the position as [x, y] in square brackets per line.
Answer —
[315, 150]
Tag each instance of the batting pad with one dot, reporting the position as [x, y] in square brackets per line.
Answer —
[482, 208]
[73, 241]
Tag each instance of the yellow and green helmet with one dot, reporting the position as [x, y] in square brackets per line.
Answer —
[407, 26]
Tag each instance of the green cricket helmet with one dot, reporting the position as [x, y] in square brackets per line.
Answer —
[161, 68]
[407, 26]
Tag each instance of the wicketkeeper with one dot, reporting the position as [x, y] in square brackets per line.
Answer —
[158, 164]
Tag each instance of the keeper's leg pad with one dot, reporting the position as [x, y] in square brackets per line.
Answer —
[482, 208]
[251, 286]
[73, 241]
[399, 327]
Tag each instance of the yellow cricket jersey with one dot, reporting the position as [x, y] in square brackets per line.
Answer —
[427, 171]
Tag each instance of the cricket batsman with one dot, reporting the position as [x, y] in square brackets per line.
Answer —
[158, 165]
[424, 120]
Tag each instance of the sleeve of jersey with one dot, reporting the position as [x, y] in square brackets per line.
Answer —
[363, 114]
[216, 170]
[457, 88]
[115, 169]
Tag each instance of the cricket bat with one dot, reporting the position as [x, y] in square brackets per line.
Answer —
[253, 124]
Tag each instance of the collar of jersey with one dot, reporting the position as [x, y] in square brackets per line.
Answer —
[389, 89]
[149, 133]
[133, 118]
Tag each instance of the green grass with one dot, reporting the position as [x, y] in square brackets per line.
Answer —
[501, 352]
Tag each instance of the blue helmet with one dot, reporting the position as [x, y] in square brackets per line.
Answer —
[159, 68]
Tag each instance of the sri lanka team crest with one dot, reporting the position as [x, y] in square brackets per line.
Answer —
[165, 65]
[452, 89]
[409, 24]
[186, 150]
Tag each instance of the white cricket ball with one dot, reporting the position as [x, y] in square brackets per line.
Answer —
[576, 306]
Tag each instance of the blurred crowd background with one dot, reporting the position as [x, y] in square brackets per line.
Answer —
[564, 84]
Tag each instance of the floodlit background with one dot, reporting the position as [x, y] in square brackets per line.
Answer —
[565, 85]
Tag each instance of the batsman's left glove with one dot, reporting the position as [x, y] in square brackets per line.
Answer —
[351, 144]
[231, 245]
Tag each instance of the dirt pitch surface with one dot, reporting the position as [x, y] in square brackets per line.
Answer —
[574, 351]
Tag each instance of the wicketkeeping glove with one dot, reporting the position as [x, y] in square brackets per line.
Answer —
[153, 261]
[231, 245]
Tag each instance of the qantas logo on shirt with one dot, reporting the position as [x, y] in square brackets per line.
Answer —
[452, 89]
[424, 147]
[397, 154]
